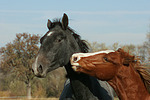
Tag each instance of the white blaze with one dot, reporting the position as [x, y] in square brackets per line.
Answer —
[35, 65]
[77, 57]
[50, 33]
[91, 54]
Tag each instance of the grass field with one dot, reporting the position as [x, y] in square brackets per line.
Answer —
[36, 99]
[29, 99]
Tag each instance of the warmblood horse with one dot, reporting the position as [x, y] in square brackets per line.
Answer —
[121, 70]
[57, 46]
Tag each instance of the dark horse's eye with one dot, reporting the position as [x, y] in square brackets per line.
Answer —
[105, 59]
[59, 40]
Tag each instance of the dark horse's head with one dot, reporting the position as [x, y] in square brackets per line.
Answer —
[57, 46]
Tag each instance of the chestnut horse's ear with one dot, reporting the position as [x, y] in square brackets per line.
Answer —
[65, 21]
[128, 60]
[49, 24]
[120, 50]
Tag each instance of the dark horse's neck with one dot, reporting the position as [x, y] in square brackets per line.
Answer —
[80, 84]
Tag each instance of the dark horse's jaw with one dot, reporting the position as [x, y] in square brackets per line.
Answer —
[40, 76]
[82, 85]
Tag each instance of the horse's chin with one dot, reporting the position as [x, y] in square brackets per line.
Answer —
[51, 68]
[75, 68]
[41, 76]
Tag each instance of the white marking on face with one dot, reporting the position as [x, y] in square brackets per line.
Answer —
[75, 64]
[35, 65]
[90, 54]
[74, 68]
[49, 34]
[77, 56]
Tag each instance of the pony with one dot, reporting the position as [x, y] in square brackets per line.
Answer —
[57, 46]
[130, 80]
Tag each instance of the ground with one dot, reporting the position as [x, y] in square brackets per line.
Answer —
[41, 99]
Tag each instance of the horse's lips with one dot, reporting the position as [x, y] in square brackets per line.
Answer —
[75, 66]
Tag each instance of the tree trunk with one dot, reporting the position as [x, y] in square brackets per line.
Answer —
[29, 90]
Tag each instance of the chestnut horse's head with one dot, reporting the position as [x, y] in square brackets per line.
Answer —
[103, 64]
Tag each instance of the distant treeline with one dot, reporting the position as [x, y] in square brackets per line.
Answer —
[16, 58]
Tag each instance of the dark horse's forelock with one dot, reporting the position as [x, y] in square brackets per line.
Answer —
[82, 43]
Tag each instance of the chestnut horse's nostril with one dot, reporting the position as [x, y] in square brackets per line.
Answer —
[40, 69]
[75, 58]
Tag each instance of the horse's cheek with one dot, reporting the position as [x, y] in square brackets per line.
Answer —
[83, 64]
[90, 66]
[111, 72]
[103, 72]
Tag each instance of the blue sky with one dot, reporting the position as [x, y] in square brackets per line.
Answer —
[109, 21]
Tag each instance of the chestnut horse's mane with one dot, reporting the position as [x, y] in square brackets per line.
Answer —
[143, 71]
[145, 75]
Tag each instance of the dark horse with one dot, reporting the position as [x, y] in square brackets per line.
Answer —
[57, 46]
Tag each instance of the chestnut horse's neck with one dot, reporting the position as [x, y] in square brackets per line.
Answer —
[129, 85]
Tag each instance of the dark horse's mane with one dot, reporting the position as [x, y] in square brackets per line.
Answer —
[144, 72]
[82, 43]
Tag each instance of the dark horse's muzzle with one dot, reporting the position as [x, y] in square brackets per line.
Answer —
[38, 69]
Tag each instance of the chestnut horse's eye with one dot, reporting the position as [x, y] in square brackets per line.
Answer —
[105, 59]
[75, 59]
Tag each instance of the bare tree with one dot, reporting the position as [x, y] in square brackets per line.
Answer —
[146, 47]
[98, 46]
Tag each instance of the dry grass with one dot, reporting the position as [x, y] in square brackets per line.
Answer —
[43, 99]
[29, 99]
[40, 99]
[5, 93]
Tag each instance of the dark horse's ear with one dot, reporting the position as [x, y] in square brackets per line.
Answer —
[65, 21]
[49, 24]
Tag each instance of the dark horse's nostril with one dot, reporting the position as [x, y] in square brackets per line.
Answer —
[75, 58]
[40, 69]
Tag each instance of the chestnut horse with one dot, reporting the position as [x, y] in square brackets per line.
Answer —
[121, 70]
